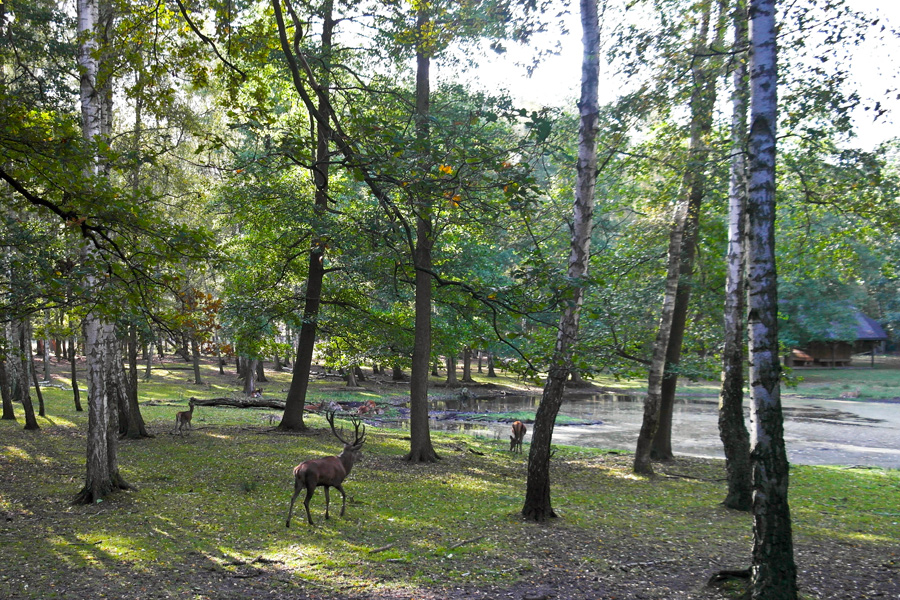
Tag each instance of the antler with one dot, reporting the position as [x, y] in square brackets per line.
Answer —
[358, 438]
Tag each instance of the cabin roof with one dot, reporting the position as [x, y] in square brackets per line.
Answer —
[868, 329]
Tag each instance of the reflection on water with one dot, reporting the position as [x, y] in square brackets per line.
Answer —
[816, 431]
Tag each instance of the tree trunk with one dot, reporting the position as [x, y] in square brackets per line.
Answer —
[704, 73]
[490, 361]
[249, 369]
[76, 393]
[19, 382]
[42, 411]
[351, 376]
[538, 506]
[773, 571]
[397, 373]
[261, 371]
[46, 346]
[451, 370]
[195, 360]
[421, 449]
[9, 413]
[358, 372]
[132, 348]
[102, 472]
[467, 365]
[102, 477]
[296, 399]
[118, 391]
[125, 384]
[732, 430]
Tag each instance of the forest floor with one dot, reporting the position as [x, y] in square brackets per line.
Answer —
[206, 518]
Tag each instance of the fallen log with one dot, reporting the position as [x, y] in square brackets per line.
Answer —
[240, 402]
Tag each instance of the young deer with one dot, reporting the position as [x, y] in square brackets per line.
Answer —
[328, 472]
[515, 440]
[183, 418]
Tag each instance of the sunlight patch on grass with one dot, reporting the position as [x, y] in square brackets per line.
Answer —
[16, 452]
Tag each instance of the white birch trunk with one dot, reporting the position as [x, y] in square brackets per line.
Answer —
[732, 431]
[102, 475]
[538, 506]
[773, 571]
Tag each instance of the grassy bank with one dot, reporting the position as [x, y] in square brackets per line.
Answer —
[206, 519]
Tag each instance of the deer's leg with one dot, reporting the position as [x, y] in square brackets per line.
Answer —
[327, 502]
[297, 489]
[299, 484]
[310, 488]
[340, 488]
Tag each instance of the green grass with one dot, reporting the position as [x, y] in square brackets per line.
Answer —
[859, 382]
[217, 499]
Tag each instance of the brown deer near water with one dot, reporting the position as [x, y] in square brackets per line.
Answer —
[328, 472]
[183, 418]
[515, 440]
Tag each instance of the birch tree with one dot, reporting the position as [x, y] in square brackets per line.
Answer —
[732, 431]
[537, 505]
[102, 476]
[773, 571]
[655, 437]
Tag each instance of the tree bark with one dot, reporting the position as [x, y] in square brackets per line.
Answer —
[681, 257]
[76, 393]
[732, 430]
[451, 370]
[773, 571]
[102, 472]
[19, 381]
[351, 376]
[261, 371]
[126, 389]
[102, 477]
[42, 410]
[292, 420]
[249, 369]
[195, 359]
[538, 505]
[9, 413]
[467, 365]
[240, 402]
[421, 449]
[46, 346]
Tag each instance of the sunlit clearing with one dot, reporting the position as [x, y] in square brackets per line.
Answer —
[16, 452]
[116, 547]
[59, 421]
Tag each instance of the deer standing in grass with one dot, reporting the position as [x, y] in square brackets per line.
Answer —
[328, 472]
[515, 440]
[183, 418]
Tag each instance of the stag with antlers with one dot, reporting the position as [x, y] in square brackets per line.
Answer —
[328, 472]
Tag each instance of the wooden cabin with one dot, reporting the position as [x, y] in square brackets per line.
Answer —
[839, 353]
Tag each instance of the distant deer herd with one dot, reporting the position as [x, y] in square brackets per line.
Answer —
[331, 471]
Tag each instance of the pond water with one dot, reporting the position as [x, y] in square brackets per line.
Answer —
[817, 432]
